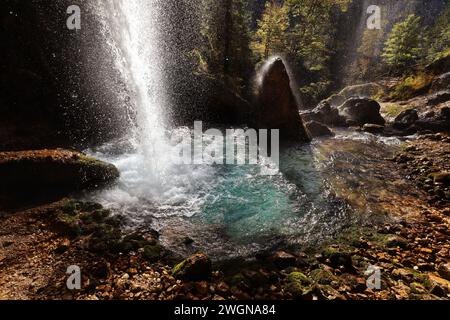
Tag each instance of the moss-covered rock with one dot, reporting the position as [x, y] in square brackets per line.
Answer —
[152, 252]
[297, 284]
[337, 258]
[195, 268]
[53, 171]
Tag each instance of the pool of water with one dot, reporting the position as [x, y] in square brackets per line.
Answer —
[235, 211]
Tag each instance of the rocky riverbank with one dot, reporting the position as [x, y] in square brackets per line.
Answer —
[38, 245]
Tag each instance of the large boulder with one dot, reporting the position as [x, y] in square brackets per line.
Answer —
[406, 119]
[441, 83]
[439, 66]
[317, 129]
[436, 123]
[366, 90]
[276, 106]
[360, 111]
[53, 171]
[439, 97]
[325, 114]
[195, 268]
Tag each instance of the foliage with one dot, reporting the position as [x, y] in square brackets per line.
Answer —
[270, 37]
[412, 86]
[404, 47]
[225, 50]
[440, 35]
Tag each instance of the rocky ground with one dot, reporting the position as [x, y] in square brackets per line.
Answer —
[412, 252]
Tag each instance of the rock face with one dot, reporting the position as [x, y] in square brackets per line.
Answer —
[439, 97]
[439, 66]
[276, 106]
[317, 129]
[53, 171]
[441, 83]
[196, 268]
[360, 111]
[366, 90]
[326, 114]
[373, 128]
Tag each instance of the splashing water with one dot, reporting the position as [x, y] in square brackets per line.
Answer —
[227, 210]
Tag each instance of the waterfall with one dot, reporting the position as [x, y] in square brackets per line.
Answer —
[131, 29]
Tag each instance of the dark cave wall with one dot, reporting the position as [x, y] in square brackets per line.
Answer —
[49, 94]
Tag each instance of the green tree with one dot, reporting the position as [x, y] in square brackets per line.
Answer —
[271, 35]
[405, 44]
[225, 50]
[440, 35]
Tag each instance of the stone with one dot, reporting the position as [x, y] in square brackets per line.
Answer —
[336, 258]
[317, 129]
[196, 268]
[444, 270]
[365, 90]
[276, 106]
[439, 66]
[53, 171]
[326, 114]
[361, 111]
[439, 97]
[297, 283]
[406, 119]
[373, 128]
[152, 252]
[441, 83]
[396, 241]
[336, 100]
[283, 259]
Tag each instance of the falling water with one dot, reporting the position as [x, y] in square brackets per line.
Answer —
[227, 210]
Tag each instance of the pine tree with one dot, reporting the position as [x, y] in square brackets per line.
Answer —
[405, 44]
[440, 35]
[225, 52]
[271, 35]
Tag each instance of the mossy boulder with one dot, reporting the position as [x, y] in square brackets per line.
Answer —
[53, 171]
[152, 252]
[297, 283]
[323, 277]
[337, 258]
[195, 268]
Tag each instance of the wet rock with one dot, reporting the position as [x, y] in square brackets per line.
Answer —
[283, 260]
[324, 277]
[297, 283]
[276, 106]
[442, 177]
[373, 128]
[336, 100]
[439, 97]
[326, 114]
[444, 270]
[396, 242]
[406, 119]
[361, 111]
[53, 171]
[439, 66]
[196, 268]
[438, 291]
[335, 258]
[317, 129]
[152, 252]
[365, 90]
[442, 82]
